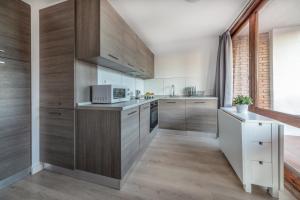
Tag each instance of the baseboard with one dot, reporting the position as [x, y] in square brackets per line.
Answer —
[37, 167]
[86, 176]
[15, 178]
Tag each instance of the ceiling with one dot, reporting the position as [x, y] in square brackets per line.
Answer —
[168, 24]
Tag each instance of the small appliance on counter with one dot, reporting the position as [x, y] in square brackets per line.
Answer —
[108, 94]
[137, 94]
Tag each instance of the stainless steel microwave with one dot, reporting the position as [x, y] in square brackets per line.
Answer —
[109, 94]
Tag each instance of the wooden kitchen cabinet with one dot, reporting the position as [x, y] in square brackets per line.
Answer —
[145, 136]
[63, 83]
[171, 114]
[201, 115]
[15, 117]
[57, 39]
[15, 30]
[107, 141]
[130, 134]
[57, 137]
[104, 38]
[188, 114]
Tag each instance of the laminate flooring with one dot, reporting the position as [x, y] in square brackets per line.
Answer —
[176, 166]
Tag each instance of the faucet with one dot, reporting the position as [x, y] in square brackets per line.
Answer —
[172, 91]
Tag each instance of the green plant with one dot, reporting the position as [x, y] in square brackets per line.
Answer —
[242, 100]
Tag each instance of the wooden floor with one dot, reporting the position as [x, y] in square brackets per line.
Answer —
[176, 166]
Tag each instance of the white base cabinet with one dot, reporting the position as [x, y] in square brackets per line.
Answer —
[253, 145]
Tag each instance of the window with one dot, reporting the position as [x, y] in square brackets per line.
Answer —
[278, 67]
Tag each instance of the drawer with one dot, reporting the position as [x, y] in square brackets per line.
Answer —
[260, 151]
[261, 173]
[260, 132]
[202, 103]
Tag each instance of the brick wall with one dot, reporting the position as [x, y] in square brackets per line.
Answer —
[241, 68]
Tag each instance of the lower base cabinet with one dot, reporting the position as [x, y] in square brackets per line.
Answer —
[172, 114]
[145, 135]
[57, 137]
[108, 142]
[130, 134]
[194, 114]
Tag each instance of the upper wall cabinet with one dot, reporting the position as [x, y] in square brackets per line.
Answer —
[15, 30]
[104, 38]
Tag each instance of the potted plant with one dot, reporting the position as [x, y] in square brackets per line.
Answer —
[242, 103]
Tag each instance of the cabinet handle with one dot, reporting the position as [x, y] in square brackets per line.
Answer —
[261, 162]
[114, 57]
[131, 113]
[2, 62]
[199, 102]
[260, 124]
[171, 102]
[55, 113]
[130, 65]
[260, 143]
[146, 107]
[2, 51]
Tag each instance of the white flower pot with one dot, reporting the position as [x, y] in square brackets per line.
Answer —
[242, 108]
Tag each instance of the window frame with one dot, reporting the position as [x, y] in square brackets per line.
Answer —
[251, 15]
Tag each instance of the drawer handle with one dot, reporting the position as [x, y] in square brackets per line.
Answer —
[146, 107]
[55, 113]
[2, 51]
[2, 62]
[260, 143]
[130, 65]
[261, 162]
[114, 57]
[199, 102]
[260, 124]
[171, 102]
[131, 113]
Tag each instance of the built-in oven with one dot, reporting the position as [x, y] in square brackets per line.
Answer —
[153, 115]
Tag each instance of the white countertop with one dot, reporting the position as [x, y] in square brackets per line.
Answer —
[131, 104]
[247, 116]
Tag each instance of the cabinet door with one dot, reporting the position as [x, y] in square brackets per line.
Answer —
[130, 47]
[171, 114]
[111, 31]
[201, 115]
[57, 39]
[141, 56]
[57, 137]
[15, 117]
[15, 30]
[144, 125]
[130, 137]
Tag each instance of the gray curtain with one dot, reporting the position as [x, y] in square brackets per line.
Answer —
[224, 71]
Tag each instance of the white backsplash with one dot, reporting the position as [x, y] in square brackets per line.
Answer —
[162, 86]
[108, 76]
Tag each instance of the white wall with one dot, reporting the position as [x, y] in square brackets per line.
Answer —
[108, 76]
[286, 70]
[36, 5]
[189, 67]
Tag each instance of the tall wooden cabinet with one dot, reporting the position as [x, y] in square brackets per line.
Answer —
[15, 89]
[63, 82]
[104, 38]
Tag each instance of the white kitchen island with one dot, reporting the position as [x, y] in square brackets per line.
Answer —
[253, 145]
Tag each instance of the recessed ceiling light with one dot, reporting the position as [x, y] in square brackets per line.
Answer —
[192, 1]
